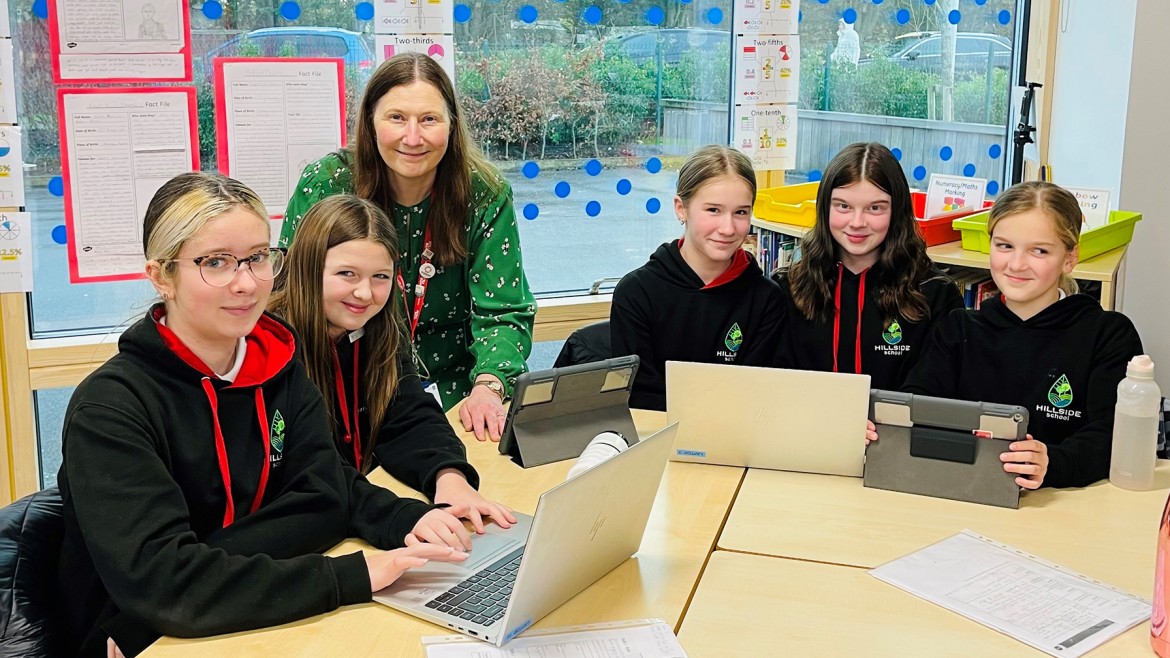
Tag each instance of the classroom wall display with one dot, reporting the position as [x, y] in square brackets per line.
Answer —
[16, 273]
[767, 69]
[118, 146]
[766, 134]
[441, 48]
[767, 16]
[766, 82]
[273, 117]
[5, 23]
[7, 82]
[414, 17]
[120, 41]
[11, 167]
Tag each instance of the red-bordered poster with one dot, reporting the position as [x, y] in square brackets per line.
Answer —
[118, 146]
[273, 117]
[120, 41]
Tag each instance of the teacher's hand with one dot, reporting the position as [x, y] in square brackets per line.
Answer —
[483, 412]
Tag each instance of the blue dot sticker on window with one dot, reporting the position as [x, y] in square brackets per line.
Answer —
[654, 165]
[624, 186]
[593, 167]
[929, 2]
[877, 2]
[41, 8]
[364, 11]
[850, 15]
[531, 211]
[290, 11]
[823, 2]
[562, 189]
[1005, 17]
[815, 175]
[60, 235]
[57, 186]
[462, 13]
[919, 173]
[897, 152]
[980, 2]
[902, 16]
[995, 151]
[592, 15]
[969, 169]
[714, 15]
[946, 153]
[993, 187]
[954, 17]
[593, 209]
[212, 9]
[653, 206]
[655, 15]
[528, 14]
[530, 169]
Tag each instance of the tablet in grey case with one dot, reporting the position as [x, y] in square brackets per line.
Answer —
[555, 413]
[943, 448]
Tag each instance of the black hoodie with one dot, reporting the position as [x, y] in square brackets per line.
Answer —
[153, 543]
[886, 351]
[663, 312]
[1063, 365]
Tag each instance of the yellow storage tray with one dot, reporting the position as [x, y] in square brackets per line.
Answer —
[1118, 232]
[788, 204]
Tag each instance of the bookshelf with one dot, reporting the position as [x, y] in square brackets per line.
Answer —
[1108, 268]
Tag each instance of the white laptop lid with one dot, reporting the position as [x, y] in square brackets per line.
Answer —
[788, 420]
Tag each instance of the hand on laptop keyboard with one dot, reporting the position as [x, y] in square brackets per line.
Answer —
[443, 527]
[387, 567]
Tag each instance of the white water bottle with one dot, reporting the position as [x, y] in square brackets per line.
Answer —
[603, 446]
[1135, 427]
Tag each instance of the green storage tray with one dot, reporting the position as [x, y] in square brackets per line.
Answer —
[1118, 232]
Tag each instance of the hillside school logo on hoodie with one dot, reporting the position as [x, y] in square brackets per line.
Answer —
[276, 438]
[892, 335]
[733, 341]
[1060, 396]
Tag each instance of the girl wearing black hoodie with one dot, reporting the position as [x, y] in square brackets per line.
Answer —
[863, 297]
[700, 298]
[199, 478]
[1040, 344]
[337, 291]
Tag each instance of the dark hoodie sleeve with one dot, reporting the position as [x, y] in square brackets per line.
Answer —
[1083, 457]
[784, 357]
[937, 372]
[630, 333]
[762, 350]
[416, 441]
[943, 296]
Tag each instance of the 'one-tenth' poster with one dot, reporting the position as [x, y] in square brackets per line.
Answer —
[766, 16]
[767, 69]
[767, 135]
[414, 17]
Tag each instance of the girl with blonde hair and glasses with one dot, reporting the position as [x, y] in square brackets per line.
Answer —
[1040, 344]
[199, 478]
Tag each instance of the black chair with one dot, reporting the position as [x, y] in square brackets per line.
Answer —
[31, 530]
[586, 345]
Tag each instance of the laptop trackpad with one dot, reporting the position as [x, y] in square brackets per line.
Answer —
[487, 548]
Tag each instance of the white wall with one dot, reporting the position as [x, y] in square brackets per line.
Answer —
[1145, 186]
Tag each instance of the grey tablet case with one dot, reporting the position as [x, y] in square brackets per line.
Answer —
[943, 448]
[556, 413]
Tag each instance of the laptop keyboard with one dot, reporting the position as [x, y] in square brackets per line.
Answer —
[482, 598]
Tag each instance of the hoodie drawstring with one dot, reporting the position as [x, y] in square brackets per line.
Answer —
[229, 512]
[353, 431]
[837, 319]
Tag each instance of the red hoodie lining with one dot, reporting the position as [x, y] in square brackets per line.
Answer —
[353, 435]
[837, 319]
[739, 262]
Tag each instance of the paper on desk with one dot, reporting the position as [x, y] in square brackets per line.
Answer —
[638, 638]
[1044, 605]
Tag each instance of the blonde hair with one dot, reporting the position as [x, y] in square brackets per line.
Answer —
[713, 162]
[1057, 203]
[184, 205]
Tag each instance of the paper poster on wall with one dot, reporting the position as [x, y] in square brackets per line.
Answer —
[767, 135]
[5, 24]
[766, 16]
[767, 69]
[949, 194]
[16, 271]
[118, 146]
[7, 83]
[120, 40]
[441, 48]
[11, 167]
[1094, 206]
[275, 116]
[414, 16]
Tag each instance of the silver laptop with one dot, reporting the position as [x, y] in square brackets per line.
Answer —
[582, 529]
[787, 420]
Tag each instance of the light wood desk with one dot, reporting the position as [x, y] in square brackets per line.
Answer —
[795, 608]
[1100, 531]
[691, 507]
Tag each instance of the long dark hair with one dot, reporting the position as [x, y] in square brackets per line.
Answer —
[902, 264]
[336, 220]
[448, 212]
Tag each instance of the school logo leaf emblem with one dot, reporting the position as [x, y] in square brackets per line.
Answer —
[734, 338]
[276, 435]
[1061, 393]
[893, 333]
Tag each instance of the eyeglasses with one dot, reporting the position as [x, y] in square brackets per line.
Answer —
[218, 270]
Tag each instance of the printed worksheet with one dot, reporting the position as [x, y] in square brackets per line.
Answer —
[767, 69]
[5, 24]
[119, 145]
[441, 48]
[120, 40]
[766, 16]
[274, 117]
[414, 17]
[7, 82]
[16, 272]
[767, 135]
[638, 638]
[11, 167]
[1041, 604]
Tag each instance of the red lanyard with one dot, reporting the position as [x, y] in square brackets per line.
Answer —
[354, 437]
[425, 272]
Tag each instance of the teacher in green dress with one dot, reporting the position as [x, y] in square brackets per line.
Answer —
[465, 298]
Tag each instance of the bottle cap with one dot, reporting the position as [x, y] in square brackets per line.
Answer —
[1140, 367]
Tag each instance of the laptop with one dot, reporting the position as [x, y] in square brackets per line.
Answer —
[787, 420]
[582, 529]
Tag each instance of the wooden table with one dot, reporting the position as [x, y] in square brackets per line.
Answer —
[796, 608]
[691, 506]
[1100, 531]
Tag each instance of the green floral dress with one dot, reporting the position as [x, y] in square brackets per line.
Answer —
[478, 314]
